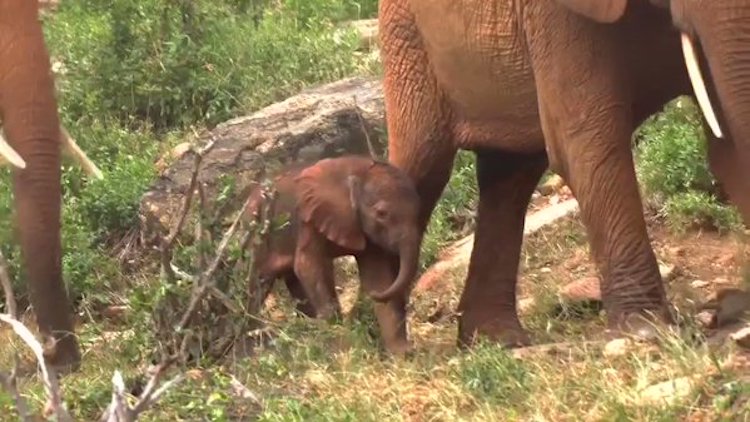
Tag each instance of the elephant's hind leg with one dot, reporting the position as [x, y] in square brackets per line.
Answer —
[313, 266]
[297, 291]
[488, 303]
[588, 122]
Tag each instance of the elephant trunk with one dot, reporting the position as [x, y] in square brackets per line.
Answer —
[408, 263]
[726, 58]
[30, 121]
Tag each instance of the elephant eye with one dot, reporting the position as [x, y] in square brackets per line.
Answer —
[381, 213]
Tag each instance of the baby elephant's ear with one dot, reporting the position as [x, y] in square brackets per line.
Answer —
[324, 200]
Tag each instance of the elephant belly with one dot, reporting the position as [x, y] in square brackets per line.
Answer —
[477, 53]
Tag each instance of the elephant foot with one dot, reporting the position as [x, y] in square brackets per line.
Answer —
[643, 326]
[505, 331]
[400, 348]
[305, 308]
[65, 355]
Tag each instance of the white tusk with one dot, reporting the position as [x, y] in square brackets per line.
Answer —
[9, 155]
[699, 87]
[71, 148]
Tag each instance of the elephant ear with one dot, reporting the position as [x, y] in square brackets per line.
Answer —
[324, 201]
[602, 11]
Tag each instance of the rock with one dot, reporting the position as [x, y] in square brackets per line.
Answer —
[699, 284]
[667, 392]
[666, 271]
[705, 318]
[525, 305]
[331, 120]
[551, 185]
[175, 153]
[367, 29]
[742, 337]
[459, 253]
[617, 347]
[563, 349]
[115, 312]
[583, 290]
[731, 305]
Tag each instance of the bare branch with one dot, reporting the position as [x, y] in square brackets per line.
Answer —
[168, 242]
[370, 146]
[241, 391]
[205, 282]
[8, 382]
[10, 300]
[49, 377]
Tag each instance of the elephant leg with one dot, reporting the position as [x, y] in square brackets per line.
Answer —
[585, 108]
[313, 267]
[488, 303]
[32, 127]
[297, 291]
[420, 138]
[391, 315]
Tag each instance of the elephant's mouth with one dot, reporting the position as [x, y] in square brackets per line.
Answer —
[701, 91]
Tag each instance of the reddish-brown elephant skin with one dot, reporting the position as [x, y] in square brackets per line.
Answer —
[28, 111]
[350, 205]
[528, 84]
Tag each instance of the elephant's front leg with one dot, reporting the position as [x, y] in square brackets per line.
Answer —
[377, 269]
[488, 303]
[313, 266]
[586, 113]
[297, 291]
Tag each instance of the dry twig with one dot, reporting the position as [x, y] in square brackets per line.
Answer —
[370, 146]
[8, 382]
[49, 377]
[10, 300]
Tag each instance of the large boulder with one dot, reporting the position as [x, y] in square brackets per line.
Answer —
[331, 120]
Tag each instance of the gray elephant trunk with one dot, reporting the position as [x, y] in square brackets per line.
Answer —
[408, 262]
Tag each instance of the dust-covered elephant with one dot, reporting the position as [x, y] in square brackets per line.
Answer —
[532, 83]
[31, 126]
[348, 205]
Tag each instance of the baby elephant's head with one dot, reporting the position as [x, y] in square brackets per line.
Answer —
[387, 205]
[355, 200]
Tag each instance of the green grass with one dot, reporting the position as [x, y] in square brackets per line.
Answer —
[672, 168]
[314, 370]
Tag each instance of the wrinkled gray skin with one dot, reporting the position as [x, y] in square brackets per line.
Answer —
[340, 206]
[531, 83]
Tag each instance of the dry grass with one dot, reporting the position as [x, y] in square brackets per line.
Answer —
[317, 371]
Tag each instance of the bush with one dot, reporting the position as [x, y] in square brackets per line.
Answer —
[178, 63]
[672, 168]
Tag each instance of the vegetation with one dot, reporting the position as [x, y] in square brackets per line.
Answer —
[139, 75]
[673, 169]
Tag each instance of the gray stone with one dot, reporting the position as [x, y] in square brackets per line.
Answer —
[331, 120]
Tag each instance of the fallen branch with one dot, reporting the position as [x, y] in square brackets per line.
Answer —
[49, 377]
[8, 382]
[10, 300]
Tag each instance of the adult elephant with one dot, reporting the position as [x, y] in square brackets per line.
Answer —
[532, 83]
[28, 111]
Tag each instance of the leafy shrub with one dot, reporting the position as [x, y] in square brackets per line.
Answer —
[672, 168]
[177, 63]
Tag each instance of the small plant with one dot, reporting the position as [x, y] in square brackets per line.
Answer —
[672, 168]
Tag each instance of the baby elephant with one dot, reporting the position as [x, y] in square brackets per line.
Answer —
[348, 205]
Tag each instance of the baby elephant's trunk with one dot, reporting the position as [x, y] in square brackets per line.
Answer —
[409, 259]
